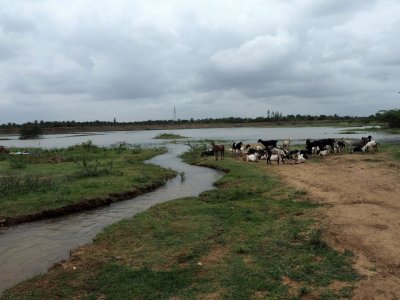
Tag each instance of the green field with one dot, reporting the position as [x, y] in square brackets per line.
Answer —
[250, 238]
[47, 180]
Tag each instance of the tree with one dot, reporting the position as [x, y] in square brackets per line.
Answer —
[30, 131]
[391, 117]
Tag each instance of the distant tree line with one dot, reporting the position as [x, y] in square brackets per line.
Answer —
[274, 116]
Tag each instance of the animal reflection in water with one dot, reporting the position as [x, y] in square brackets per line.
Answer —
[219, 149]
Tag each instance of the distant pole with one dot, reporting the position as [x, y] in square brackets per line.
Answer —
[174, 113]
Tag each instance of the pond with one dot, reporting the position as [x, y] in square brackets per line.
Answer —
[245, 134]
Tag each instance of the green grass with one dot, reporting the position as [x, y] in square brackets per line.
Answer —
[350, 132]
[52, 179]
[392, 150]
[371, 129]
[250, 238]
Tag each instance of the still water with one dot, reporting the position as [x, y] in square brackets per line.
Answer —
[146, 137]
[29, 249]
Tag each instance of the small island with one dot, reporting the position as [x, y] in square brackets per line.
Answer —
[169, 136]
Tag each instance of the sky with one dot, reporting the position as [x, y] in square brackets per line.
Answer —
[134, 60]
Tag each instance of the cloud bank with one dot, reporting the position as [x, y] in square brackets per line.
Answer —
[135, 60]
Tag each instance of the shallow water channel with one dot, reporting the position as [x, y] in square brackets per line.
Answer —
[29, 249]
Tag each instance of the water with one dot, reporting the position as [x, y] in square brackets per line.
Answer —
[146, 137]
[29, 249]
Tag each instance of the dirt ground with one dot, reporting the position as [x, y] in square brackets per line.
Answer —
[361, 213]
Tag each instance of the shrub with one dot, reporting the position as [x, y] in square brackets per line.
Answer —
[30, 131]
[391, 117]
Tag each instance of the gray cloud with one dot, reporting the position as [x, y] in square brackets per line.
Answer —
[135, 60]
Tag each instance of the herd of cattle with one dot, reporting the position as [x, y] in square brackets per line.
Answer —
[270, 151]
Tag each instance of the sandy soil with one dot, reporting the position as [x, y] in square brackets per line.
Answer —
[362, 213]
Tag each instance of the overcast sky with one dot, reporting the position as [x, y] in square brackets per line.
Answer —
[134, 60]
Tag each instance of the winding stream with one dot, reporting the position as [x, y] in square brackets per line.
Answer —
[29, 249]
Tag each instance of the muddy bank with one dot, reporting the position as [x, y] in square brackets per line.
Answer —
[360, 197]
[82, 205]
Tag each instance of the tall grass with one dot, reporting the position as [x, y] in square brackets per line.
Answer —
[13, 184]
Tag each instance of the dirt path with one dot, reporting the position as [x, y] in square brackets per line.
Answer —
[362, 193]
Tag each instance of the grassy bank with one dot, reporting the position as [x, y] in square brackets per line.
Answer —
[251, 238]
[371, 129]
[51, 182]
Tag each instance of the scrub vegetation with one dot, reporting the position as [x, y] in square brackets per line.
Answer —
[47, 180]
[169, 136]
[250, 238]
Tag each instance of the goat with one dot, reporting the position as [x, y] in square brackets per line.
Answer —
[319, 143]
[297, 159]
[367, 139]
[357, 145]
[300, 159]
[324, 153]
[297, 153]
[370, 146]
[281, 154]
[252, 157]
[304, 153]
[269, 143]
[292, 154]
[257, 146]
[286, 144]
[236, 147]
[340, 146]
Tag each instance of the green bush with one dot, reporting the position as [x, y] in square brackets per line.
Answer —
[30, 131]
[391, 117]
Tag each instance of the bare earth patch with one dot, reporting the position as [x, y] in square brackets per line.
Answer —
[362, 213]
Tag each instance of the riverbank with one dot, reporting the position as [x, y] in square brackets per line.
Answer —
[360, 200]
[39, 184]
[252, 237]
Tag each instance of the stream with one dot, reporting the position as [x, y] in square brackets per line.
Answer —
[31, 248]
